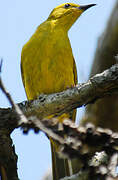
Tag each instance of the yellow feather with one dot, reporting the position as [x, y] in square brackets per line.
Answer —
[47, 63]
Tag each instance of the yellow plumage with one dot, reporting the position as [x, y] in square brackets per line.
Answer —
[47, 62]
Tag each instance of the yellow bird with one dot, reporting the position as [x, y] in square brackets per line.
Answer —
[48, 66]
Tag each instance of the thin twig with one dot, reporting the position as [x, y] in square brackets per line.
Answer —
[15, 106]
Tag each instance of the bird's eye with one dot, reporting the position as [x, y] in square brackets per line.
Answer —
[67, 5]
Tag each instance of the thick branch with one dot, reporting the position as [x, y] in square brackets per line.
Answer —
[98, 86]
[101, 85]
[8, 158]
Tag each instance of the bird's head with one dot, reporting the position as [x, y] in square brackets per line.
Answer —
[66, 14]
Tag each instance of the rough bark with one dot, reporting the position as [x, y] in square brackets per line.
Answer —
[8, 158]
[103, 84]
[99, 86]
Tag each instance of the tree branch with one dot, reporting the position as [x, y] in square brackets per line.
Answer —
[98, 86]
[82, 143]
[8, 158]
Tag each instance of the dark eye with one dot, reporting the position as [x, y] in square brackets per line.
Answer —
[67, 5]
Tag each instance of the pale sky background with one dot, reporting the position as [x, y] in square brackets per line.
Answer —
[18, 21]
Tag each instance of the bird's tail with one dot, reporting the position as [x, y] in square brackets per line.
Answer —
[3, 173]
[60, 167]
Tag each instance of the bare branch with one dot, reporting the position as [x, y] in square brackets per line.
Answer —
[8, 158]
[82, 143]
[98, 86]
[79, 143]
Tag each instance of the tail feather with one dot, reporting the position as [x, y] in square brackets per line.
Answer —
[60, 167]
[3, 173]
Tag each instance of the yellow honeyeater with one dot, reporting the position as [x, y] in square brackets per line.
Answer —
[48, 66]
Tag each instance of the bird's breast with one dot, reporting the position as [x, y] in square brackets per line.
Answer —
[47, 65]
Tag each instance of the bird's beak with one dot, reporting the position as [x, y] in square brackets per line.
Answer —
[85, 7]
